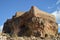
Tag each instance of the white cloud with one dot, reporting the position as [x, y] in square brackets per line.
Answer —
[59, 25]
[58, 28]
[50, 7]
[58, 2]
[57, 15]
[1, 27]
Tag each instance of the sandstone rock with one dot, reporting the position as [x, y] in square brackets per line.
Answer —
[34, 22]
[4, 36]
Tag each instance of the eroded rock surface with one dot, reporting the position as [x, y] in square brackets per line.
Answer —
[33, 22]
[4, 36]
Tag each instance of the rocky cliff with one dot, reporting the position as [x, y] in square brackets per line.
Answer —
[33, 22]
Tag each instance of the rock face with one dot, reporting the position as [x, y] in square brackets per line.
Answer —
[4, 36]
[33, 22]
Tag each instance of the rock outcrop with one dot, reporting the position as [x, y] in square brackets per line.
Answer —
[4, 36]
[33, 22]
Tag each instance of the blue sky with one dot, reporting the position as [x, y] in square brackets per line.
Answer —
[8, 8]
